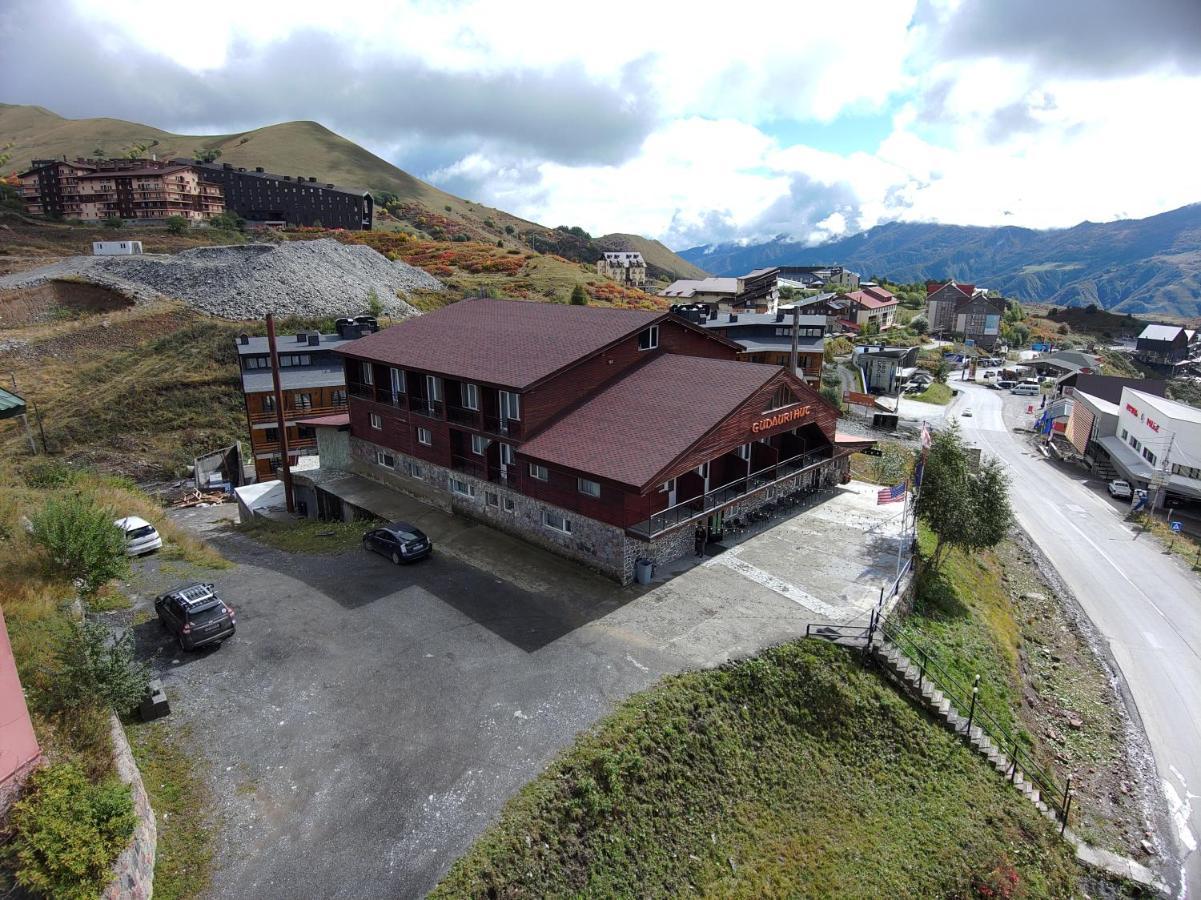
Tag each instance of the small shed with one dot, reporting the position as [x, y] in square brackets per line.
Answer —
[116, 248]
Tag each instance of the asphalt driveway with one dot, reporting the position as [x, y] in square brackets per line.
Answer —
[368, 721]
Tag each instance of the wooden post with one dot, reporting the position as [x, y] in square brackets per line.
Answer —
[285, 470]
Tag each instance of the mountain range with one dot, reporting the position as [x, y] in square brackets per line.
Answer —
[1147, 266]
[309, 148]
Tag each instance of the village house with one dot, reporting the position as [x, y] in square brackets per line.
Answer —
[1163, 346]
[872, 306]
[885, 369]
[626, 266]
[312, 382]
[964, 311]
[605, 435]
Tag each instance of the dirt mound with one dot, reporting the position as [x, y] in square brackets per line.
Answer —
[55, 300]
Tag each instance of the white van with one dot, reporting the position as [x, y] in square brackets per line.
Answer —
[1026, 390]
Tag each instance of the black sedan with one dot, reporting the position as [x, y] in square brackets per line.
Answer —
[400, 542]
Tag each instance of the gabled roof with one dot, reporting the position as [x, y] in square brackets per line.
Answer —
[1160, 333]
[511, 343]
[933, 287]
[638, 426]
[879, 293]
[867, 301]
[1182, 412]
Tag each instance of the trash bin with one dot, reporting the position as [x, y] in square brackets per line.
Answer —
[644, 569]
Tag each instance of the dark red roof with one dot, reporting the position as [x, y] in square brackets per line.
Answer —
[864, 299]
[638, 426]
[512, 343]
[332, 420]
[933, 287]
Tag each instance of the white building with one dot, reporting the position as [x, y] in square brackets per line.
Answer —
[1157, 441]
[116, 248]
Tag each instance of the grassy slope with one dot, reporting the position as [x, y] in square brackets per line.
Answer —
[935, 393]
[793, 774]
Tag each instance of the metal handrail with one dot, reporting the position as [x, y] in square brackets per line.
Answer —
[980, 716]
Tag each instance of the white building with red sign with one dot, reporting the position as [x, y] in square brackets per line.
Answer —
[1157, 442]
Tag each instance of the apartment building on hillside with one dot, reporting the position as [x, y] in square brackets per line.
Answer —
[767, 337]
[94, 190]
[262, 197]
[626, 266]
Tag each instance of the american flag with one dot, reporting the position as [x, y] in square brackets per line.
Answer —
[892, 494]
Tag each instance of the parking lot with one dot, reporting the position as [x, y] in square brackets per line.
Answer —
[368, 721]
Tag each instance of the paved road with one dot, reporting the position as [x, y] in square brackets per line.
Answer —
[1145, 604]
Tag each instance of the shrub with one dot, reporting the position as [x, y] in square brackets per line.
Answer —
[45, 473]
[94, 668]
[81, 539]
[579, 297]
[374, 304]
[67, 832]
[509, 229]
[114, 222]
[228, 221]
[832, 396]
[177, 224]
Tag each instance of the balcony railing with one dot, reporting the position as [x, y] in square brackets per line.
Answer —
[476, 466]
[502, 426]
[719, 497]
[432, 409]
[463, 416]
[291, 415]
[378, 395]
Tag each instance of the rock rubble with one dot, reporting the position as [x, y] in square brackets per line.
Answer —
[297, 278]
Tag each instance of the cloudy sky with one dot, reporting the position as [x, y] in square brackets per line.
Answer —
[693, 123]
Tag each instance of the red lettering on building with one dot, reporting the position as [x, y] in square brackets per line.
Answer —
[783, 418]
[1130, 409]
[1153, 425]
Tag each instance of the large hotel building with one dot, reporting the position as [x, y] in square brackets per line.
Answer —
[606, 435]
[93, 190]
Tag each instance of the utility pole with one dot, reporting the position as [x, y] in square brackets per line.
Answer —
[794, 354]
[285, 470]
[1162, 476]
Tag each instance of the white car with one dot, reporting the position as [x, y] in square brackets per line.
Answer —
[967, 412]
[1119, 488]
[140, 536]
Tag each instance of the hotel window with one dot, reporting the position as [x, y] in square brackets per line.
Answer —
[744, 452]
[368, 373]
[509, 505]
[256, 362]
[377, 421]
[470, 396]
[385, 459]
[425, 436]
[1134, 442]
[782, 397]
[491, 498]
[703, 470]
[667, 487]
[1186, 471]
[268, 403]
[398, 382]
[478, 445]
[591, 488]
[413, 470]
[1148, 455]
[507, 457]
[1124, 433]
[271, 434]
[462, 488]
[510, 405]
[648, 338]
[302, 401]
[539, 473]
[340, 397]
[433, 388]
[556, 522]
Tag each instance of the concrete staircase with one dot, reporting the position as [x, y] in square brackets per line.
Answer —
[909, 674]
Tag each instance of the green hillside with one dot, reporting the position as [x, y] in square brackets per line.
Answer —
[306, 149]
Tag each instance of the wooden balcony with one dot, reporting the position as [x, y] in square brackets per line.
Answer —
[503, 427]
[291, 415]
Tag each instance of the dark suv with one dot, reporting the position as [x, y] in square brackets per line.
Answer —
[400, 542]
[195, 615]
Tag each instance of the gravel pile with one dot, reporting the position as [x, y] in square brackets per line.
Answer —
[300, 278]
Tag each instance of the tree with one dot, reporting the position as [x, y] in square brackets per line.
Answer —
[114, 222]
[579, 297]
[228, 221]
[965, 509]
[137, 149]
[942, 370]
[81, 539]
[95, 668]
[177, 224]
[206, 154]
[832, 396]
[919, 325]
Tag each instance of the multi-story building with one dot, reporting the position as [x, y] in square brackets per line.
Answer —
[872, 306]
[93, 190]
[312, 382]
[1155, 445]
[262, 197]
[757, 291]
[767, 337]
[964, 311]
[626, 266]
[829, 277]
[1164, 346]
[605, 435]
[942, 300]
[885, 369]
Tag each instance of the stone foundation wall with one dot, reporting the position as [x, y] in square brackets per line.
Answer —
[595, 544]
[133, 872]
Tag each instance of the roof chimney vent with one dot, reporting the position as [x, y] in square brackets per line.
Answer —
[241, 168]
[229, 167]
[243, 339]
[733, 317]
[311, 178]
[315, 339]
[258, 168]
[301, 337]
[779, 315]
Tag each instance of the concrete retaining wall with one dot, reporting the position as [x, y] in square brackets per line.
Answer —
[133, 872]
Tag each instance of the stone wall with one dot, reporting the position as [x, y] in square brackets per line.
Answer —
[133, 872]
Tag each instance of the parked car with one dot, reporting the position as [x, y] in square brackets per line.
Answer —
[990, 375]
[195, 615]
[140, 536]
[967, 412]
[400, 542]
[1004, 384]
[1119, 489]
